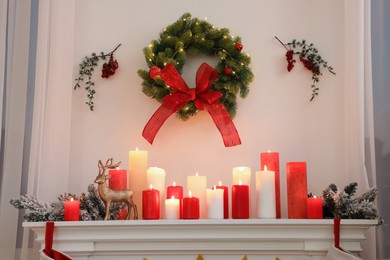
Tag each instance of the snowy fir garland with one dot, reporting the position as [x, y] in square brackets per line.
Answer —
[341, 203]
[91, 207]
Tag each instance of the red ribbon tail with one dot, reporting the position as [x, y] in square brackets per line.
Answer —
[336, 231]
[49, 239]
[48, 250]
[224, 124]
[155, 122]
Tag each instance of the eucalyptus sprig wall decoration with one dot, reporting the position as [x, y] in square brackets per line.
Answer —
[310, 58]
[87, 67]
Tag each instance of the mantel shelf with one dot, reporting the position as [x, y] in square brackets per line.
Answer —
[184, 239]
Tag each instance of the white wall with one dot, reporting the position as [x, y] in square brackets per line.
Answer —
[277, 114]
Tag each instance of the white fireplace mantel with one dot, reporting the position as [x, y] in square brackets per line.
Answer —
[214, 239]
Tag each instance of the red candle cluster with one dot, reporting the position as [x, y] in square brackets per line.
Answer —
[299, 206]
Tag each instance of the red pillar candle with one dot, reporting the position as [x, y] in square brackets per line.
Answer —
[225, 200]
[271, 160]
[118, 181]
[72, 210]
[296, 189]
[177, 192]
[151, 204]
[240, 201]
[314, 208]
[190, 207]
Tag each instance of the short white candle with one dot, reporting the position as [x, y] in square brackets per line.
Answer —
[197, 185]
[172, 208]
[215, 203]
[265, 194]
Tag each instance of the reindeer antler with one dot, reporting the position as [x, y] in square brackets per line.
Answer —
[110, 165]
[101, 167]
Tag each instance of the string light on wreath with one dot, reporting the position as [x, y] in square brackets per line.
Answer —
[310, 58]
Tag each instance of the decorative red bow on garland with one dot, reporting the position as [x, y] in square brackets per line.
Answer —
[203, 98]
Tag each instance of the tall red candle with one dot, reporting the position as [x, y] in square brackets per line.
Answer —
[72, 210]
[314, 208]
[190, 207]
[177, 192]
[296, 189]
[225, 200]
[240, 201]
[151, 204]
[271, 160]
[118, 181]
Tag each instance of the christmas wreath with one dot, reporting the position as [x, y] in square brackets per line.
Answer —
[167, 56]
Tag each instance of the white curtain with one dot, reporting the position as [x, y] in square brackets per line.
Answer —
[380, 53]
[14, 53]
[359, 129]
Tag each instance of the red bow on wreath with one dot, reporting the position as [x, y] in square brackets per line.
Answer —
[203, 98]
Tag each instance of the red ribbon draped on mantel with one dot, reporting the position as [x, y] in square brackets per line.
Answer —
[48, 250]
[203, 98]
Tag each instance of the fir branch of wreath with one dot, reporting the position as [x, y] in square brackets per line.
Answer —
[86, 69]
[310, 58]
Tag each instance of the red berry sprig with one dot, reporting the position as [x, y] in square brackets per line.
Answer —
[109, 67]
[310, 59]
[290, 59]
[87, 67]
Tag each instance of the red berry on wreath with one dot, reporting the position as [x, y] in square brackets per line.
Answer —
[154, 72]
[227, 71]
[239, 46]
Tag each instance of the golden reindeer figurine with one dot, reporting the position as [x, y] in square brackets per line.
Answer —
[108, 195]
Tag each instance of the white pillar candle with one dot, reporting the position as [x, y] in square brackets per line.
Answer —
[197, 185]
[136, 180]
[215, 203]
[172, 208]
[243, 174]
[265, 194]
